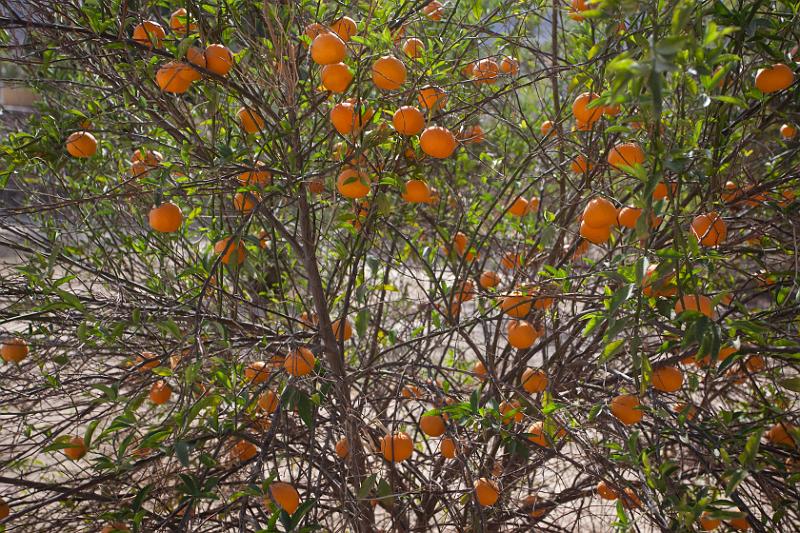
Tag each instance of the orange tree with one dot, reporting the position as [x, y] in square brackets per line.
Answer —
[361, 266]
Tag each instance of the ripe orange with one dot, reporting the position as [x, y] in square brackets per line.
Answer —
[534, 381]
[662, 191]
[694, 302]
[479, 369]
[160, 392]
[537, 434]
[175, 77]
[413, 47]
[243, 451]
[353, 184]
[709, 229]
[740, 523]
[595, 235]
[244, 202]
[315, 186]
[579, 165]
[342, 448]
[486, 492]
[179, 22]
[485, 71]
[231, 250]
[81, 144]
[489, 279]
[197, 57]
[781, 434]
[510, 261]
[707, 523]
[147, 361]
[447, 447]
[416, 191]
[300, 362]
[150, 157]
[788, 131]
[775, 78]
[219, 59]
[336, 77]
[345, 28]
[516, 304]
[599, 213]
[285, 495]
[14, 350]
[546, 128]
[625, 154]
[166, 218]
[250, 120]
[388, 73]
[662, 286]
[431, 97]
[257, 176]
[509, 65]
[116, 527]
[76, 448]
[522, 334]
[314, 29]
[519, 207]
[667, 379]
[149, 34]
[682, 408]
[629, 499]
[626, 409]
[606, 492]
[434, 10]
[397, 447]
[432, 425]
[327, 48]
[581, 110]
[438, 142]
[408, 120]
[629, 216]
[268, 401]
[342, 333]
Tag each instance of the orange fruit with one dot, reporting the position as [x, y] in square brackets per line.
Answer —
[432, 425]
[510, 261]
[788, 131]
[667, 379]
[336, 77]
[581, 110]
[682, 408]
[314, 29]
[732, 192]
[257, 176]
[471, 134]
[315, 186]
[694, 302]
[516, 304]
[179, 22]
[388, 73]
[537, 434]
[434, 10]
[345, 28]
[599, 213]
[775, 78]
[579, 165]
[244, 202]
[413, 47]
[479, 369]
[175, 77]
[522, 334]
[408, 120]
[14, 350]
[485, 71]
[250, 120]
[629, 499]
[509, 65]
[448, 448]
[707, 523]
[116, 527]
[534, 381]
[76, 448]
[285, 495]
[149, 34]
[486, 492]
[755, 363]
[328, 48]
[611, 110]
[662, 191]
[160, 392]
[342, 448]
[243, 451]
[342, 333]
[353, 184]
[662, 286]
[489, 279]
[416, 191]
[396, 447]
[781, 434]
[546, 127]
[231, 250]
[219, 59]
[81, 144]
[626, 409]
[595, 235]
[431, 97]
[519, 207]
[709, 229]
[300, 362]
[197, 57]
[625, 154]
[629, 216]
[740, 524]
[147, 361]
[606, 492]
[268, 401]
[438, 142]
[166, 218]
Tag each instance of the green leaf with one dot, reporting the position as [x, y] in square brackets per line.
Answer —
[750, 452]
[182, 452]
[366, 486]
[793, 384]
